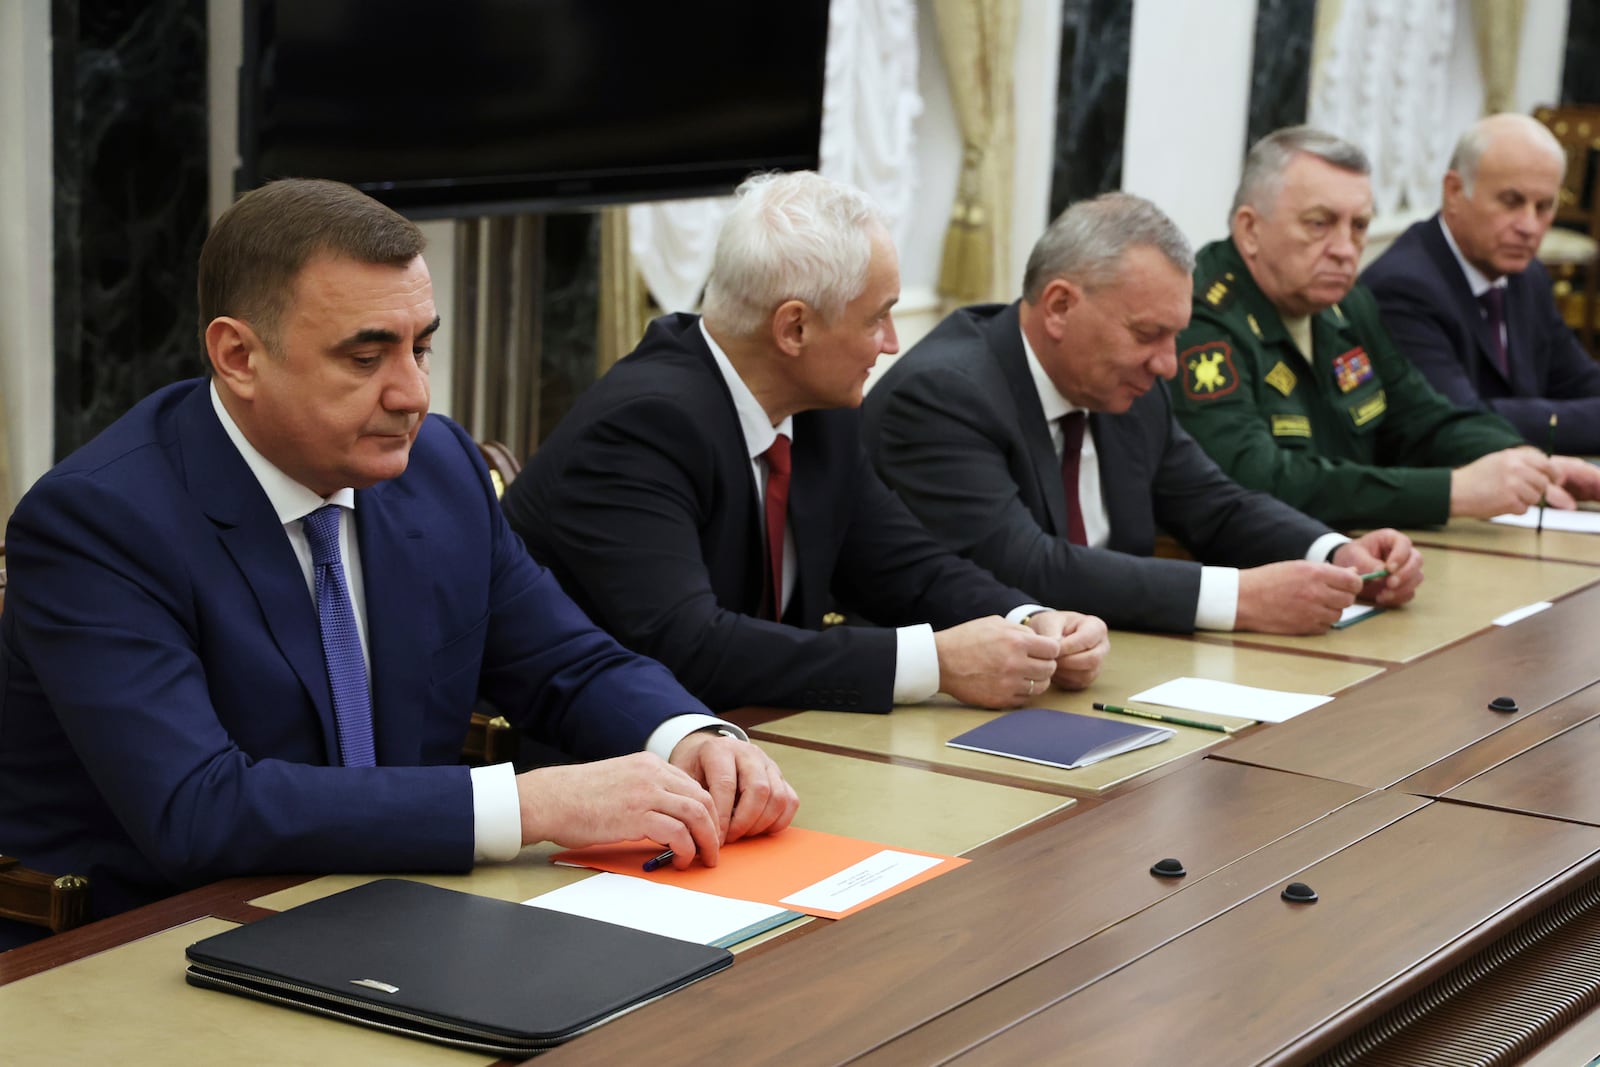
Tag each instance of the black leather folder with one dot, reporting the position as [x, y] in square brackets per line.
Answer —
[465, 970]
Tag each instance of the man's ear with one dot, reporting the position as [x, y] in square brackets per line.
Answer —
[1454, 189]
[789, 325]
[1246, 230]
[1057, 301]
[235, 351]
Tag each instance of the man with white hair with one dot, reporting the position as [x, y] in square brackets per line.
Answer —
[1292, 384]
[708, 501]
[1465, 298]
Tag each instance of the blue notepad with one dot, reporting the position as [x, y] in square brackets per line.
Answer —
[1058, 738]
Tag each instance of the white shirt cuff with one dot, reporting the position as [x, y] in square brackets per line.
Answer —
[665, 738]
[1017, 614]
[916, 664]
[1218, 605]
[496, 813]
[1323, 547]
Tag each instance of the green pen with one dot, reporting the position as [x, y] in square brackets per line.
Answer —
[1158, 716]
[1375, 575]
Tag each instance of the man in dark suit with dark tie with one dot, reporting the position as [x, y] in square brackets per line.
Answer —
[246, 625]
[1466, 299]
[1037, 439]
[708, 501]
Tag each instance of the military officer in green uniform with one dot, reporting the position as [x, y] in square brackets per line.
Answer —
[1291, 383]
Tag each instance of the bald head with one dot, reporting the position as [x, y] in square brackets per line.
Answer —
[1501, 192]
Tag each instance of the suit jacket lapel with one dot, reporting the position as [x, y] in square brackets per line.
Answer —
[1005, 341]
[1468, 309]
[1520, 350]
[399, 627]
[747, 524]
[224, 487]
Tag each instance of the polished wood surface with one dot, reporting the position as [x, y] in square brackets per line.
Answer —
[1396, 725]
[1461, 594]
[1557, 778]
[1427, 824]
[905, 962]
[1406, 898]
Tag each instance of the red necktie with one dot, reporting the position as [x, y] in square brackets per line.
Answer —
[1493, 301]
[777, 457]
[1072, 427]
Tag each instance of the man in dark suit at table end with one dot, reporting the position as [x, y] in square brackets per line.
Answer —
[246, 625]
[1466, 299]
[1037, 439]
[708, 501]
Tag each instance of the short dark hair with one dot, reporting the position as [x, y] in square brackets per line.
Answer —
[260, 244]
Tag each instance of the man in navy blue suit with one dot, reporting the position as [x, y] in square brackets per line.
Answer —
[1465, 298]
[183, 587]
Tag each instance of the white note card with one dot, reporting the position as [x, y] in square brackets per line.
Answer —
[685, 914]
[1518, 614]
[862, 881]
[1554, 519]
[1226, 698]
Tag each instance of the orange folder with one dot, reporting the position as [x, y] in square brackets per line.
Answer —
[766, 868]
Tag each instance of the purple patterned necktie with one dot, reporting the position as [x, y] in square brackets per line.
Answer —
[341, 641]
[1493, 302]
[1072, 427]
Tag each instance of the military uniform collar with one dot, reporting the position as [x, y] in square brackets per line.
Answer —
[1229, 289]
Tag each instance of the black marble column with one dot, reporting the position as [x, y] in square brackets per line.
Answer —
[1280, 71]
[1092, 99]
[568, 313]
[1580, 80]
[130, 163]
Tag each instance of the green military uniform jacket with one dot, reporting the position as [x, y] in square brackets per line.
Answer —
[1356, 437]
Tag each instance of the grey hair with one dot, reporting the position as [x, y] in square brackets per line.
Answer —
[1476, 141]
[796, 236]
[1087, 242]
[1262, 179]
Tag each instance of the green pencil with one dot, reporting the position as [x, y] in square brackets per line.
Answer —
[1375, 575]
[1140, 713]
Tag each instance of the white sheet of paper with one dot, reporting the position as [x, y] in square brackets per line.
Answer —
[862, 881]
[1518, 614]
[685, 914]
[1356, 611]
[1226, 698]
[1554, 519]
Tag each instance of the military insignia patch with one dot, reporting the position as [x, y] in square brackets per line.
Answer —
[1291, 426]
[1351, 369]
[1282, 378]
[1255, 327]
[1208, 371]
[1367, 410]
[1219, 294]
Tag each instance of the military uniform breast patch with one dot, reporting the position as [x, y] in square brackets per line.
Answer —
[1291, 426]
[1281, 378]
[1208, 371]
[1351, 369]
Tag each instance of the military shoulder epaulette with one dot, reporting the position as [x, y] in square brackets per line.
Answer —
[1220, 294]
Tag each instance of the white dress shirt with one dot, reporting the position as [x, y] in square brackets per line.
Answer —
[1476, 280]
[496, 810]
[916, 666]
[1218, 604]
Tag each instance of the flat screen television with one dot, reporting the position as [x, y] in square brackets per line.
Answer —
[462, 107]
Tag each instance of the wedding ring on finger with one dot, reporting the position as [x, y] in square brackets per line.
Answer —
[1030, 687]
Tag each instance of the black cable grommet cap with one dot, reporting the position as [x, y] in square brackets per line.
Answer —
[1502, 704]
[1168, 868]
[1299, 893]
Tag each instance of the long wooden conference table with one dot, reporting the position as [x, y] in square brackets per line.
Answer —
[1454, 851]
